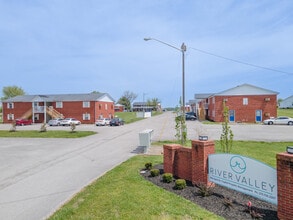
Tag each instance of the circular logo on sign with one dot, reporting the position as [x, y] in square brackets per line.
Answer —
[237, 164]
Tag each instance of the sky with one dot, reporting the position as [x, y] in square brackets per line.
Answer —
[81, 46]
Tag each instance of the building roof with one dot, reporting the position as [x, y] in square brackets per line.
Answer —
[246, 89]
[103, 97]
[203, 95]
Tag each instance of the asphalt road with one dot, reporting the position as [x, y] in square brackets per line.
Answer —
[39, 175]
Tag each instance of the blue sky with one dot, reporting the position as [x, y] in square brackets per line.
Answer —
[80, 46]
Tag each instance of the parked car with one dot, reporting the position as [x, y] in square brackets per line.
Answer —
[190, 117]
[116, 122]
[102, 122]
[22, 121]
[55, 122]
[190, 113]
[281, 120]
[68, 121]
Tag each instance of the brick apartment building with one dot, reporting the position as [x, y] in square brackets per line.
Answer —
[246, 103]
[41, 108]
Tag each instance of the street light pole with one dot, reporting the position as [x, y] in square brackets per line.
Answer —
[182, 49]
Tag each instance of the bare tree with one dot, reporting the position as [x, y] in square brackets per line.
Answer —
[126, 99]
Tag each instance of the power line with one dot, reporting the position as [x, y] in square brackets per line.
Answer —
[241, 62]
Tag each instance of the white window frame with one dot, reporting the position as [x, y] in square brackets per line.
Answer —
[10, 105]
[59, 104]
[86, 104]
[86, 116]
[245, 101]
[10, 116]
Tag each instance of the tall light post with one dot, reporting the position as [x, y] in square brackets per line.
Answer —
[182, 49]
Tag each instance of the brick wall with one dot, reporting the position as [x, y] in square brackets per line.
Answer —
[243, 113]
[285, 185]
[189, 164]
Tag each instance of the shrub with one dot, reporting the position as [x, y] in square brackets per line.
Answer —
[180, 184]
[72, 127]
[13, 127]
[167, 177]
[155, 172]
[204, 189]
[43, 128]
[148, 166]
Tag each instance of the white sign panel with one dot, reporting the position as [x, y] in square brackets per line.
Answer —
[245, 175]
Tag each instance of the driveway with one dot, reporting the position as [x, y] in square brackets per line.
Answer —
[38, 175]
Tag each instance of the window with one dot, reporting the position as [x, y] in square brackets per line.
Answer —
[245, 101]
[86, 116]
[86, 104]
[10, 105]
[10, 116]
[59, 104]
[106, 106]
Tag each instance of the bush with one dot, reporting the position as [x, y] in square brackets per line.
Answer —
[167, 177]
[180, 184]
[43, 128]
[148, 166]
[155, 172]
[204, 189]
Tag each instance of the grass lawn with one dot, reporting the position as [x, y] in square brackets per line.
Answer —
[123, 193]
[285, 112]
[47, 134]
[130, 117]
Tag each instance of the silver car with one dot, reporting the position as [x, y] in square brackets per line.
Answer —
[54, 122]
[68, 121]
[281, 120]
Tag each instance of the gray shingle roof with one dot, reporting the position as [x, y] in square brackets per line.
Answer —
[61, 97]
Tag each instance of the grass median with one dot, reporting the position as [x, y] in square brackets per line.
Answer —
[47, 134]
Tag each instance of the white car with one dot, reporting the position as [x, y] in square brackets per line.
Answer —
[68, 121]
[281, 120]
[102, 122]
[55, 122]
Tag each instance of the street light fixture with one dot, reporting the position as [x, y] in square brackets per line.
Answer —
[182, 49]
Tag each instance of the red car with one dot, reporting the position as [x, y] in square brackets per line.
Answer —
[22, 121]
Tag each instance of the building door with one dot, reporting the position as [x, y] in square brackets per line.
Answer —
[232, 115]
[258, 114]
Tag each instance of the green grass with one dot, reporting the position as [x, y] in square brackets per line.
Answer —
[259, 150]
[285, 112]
[47, 134]
[123, 193]
[130, 117]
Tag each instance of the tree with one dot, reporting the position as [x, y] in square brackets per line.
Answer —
[11, 91]
[180, 126]
[153, 103]
[226, 139]
[126, 99]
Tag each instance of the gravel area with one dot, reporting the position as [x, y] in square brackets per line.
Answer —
[224, 202]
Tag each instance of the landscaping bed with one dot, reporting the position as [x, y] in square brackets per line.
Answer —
[224, 202]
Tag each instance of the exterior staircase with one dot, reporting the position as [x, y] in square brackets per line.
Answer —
[53, 113]
[27, 114]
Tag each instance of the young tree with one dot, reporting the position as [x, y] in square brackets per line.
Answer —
[126, 99]
[226, 139]
[180, 126]
[11, 91]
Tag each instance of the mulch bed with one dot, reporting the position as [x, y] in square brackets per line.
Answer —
[224, 202]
